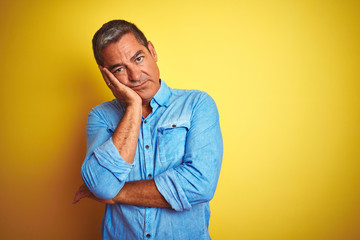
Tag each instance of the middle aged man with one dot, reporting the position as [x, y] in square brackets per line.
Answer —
[153, 153]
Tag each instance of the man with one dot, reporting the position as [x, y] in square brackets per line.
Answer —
[153, 153]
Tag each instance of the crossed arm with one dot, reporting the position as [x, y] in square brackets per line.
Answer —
[194, 181]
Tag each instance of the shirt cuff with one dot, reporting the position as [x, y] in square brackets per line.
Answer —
[109, 157]
[168, 185]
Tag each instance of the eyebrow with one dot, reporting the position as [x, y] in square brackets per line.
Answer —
[132, 59]
[136, 55]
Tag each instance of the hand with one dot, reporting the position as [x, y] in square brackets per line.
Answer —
[84, 192]
[124, 94]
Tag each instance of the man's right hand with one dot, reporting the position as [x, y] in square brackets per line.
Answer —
[123, 93]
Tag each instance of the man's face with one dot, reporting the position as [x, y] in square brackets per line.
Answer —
[133, 65]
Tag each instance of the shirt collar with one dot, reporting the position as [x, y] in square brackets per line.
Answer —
[163, 94]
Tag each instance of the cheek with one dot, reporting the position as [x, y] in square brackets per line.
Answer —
[153, 70]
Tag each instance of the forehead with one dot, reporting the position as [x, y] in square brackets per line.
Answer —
[122, 50]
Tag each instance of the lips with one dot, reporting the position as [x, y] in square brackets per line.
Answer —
[140, 85]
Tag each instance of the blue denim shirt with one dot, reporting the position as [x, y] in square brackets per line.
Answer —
[180, 147]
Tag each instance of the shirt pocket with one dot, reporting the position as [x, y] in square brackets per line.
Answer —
[172, 138]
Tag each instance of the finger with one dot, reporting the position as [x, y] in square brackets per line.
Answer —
[75, 201]
[81, 193]
[76, 198]
[106, 78]
[112, 79]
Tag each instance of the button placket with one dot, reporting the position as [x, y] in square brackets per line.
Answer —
[149, 169]
[148, 150]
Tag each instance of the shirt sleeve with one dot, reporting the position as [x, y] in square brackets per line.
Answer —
[195, 180]
[104, 171]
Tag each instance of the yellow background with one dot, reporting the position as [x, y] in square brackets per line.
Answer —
[284, 74]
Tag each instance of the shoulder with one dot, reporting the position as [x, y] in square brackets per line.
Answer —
[193, 94]
[108, 107]
[192, 97]
[110, 112]
[188, 105]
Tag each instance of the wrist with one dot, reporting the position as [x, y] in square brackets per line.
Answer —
[134, 107]
[134, 111]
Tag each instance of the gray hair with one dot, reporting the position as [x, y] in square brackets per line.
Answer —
[111, 32]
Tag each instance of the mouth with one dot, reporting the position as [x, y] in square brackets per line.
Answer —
[139, 85]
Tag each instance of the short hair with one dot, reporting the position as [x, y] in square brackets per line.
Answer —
[111, 32]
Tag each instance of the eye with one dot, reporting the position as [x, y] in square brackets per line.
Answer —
[120, 69]
[139, 59]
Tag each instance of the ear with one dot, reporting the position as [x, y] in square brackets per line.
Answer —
[152, 51]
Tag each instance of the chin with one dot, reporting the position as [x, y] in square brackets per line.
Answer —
[146, 96]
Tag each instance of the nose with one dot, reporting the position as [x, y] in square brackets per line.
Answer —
[134, 73]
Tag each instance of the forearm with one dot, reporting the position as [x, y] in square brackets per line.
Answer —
[140, 193]
[126, 135]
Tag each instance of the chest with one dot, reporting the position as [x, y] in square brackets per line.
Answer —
[162, 142]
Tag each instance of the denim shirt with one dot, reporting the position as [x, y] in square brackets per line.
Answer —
[179, 146]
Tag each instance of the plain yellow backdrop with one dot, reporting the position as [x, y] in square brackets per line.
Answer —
[284, 74]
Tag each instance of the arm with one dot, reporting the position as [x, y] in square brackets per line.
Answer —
[139, 193]
[126, 135]
[195, 180]
[109, 157]
[105, 177]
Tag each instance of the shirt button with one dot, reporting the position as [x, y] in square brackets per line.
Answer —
[174, 125]
[148, 235]
[145, 121]
[149, 176]
[147, 146]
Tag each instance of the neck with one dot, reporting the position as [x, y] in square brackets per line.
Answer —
[146, 109]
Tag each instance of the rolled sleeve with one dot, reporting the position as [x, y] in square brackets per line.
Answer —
[169, 186]
[108, 157]
[195, 180]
